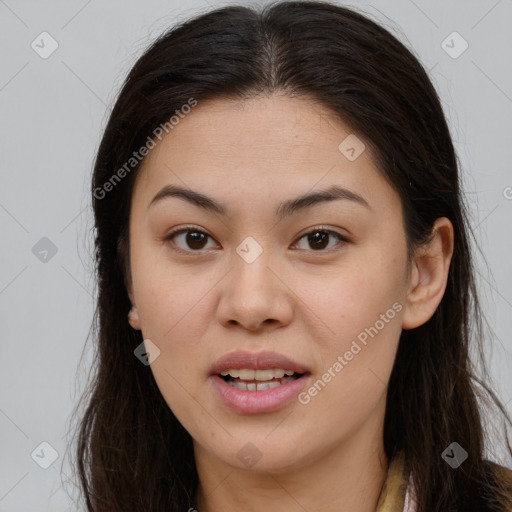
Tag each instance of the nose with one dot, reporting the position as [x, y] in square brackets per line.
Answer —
[255, 296]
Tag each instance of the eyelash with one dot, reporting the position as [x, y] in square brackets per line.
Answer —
[315, 229]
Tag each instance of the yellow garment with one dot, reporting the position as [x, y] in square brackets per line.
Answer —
[392, 496]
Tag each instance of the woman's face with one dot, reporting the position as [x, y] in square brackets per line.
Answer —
[265, 280]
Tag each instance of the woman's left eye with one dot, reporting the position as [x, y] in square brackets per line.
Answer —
[317, 239]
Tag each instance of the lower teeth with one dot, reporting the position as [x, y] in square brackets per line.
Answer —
[258, 386]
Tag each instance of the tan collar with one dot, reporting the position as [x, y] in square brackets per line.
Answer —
[392, 497]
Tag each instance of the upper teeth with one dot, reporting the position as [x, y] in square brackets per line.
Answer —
[246, 374]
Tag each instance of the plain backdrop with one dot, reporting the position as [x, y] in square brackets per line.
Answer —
[53, 112]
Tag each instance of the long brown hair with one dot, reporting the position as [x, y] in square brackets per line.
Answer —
[132, 453]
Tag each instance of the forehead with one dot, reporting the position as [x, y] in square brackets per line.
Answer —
[281, 125]
[264, 147]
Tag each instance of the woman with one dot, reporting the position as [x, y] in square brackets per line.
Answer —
[286, 290]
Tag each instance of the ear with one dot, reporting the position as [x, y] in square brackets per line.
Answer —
[428, 275]
[133, 315]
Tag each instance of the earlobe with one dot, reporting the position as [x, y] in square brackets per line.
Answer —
[429, 275]
[133, 315]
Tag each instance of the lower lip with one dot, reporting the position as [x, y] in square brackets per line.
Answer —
[257, 402]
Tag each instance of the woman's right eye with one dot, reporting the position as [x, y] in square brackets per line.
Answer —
[192, 237]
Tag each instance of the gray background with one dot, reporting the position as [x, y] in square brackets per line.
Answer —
[53, 113]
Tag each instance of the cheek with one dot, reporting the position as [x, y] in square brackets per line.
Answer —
[172, 305]
[176, 378]
[170, 308]
[164, 292]
[356, 361]
[364, 326]
[361, 306]
[354, 297]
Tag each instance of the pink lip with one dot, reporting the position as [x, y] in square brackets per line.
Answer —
[255, 361]
[257, 402]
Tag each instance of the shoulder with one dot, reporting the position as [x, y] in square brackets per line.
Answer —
[502, 477]
[501, 473]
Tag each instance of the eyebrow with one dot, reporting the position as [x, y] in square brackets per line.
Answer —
[285, 209]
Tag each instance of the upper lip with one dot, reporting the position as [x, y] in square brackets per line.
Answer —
[256, 361]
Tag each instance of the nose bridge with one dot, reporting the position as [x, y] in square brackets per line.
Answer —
[252, 263]
[253, 294]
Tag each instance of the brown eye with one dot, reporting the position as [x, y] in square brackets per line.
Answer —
[318, 239]
[188, 240]
[195, 239]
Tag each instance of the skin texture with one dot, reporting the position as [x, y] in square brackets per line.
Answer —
[306, 301]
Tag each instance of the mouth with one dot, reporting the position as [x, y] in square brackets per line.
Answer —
[247, 379]
[255, 383]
